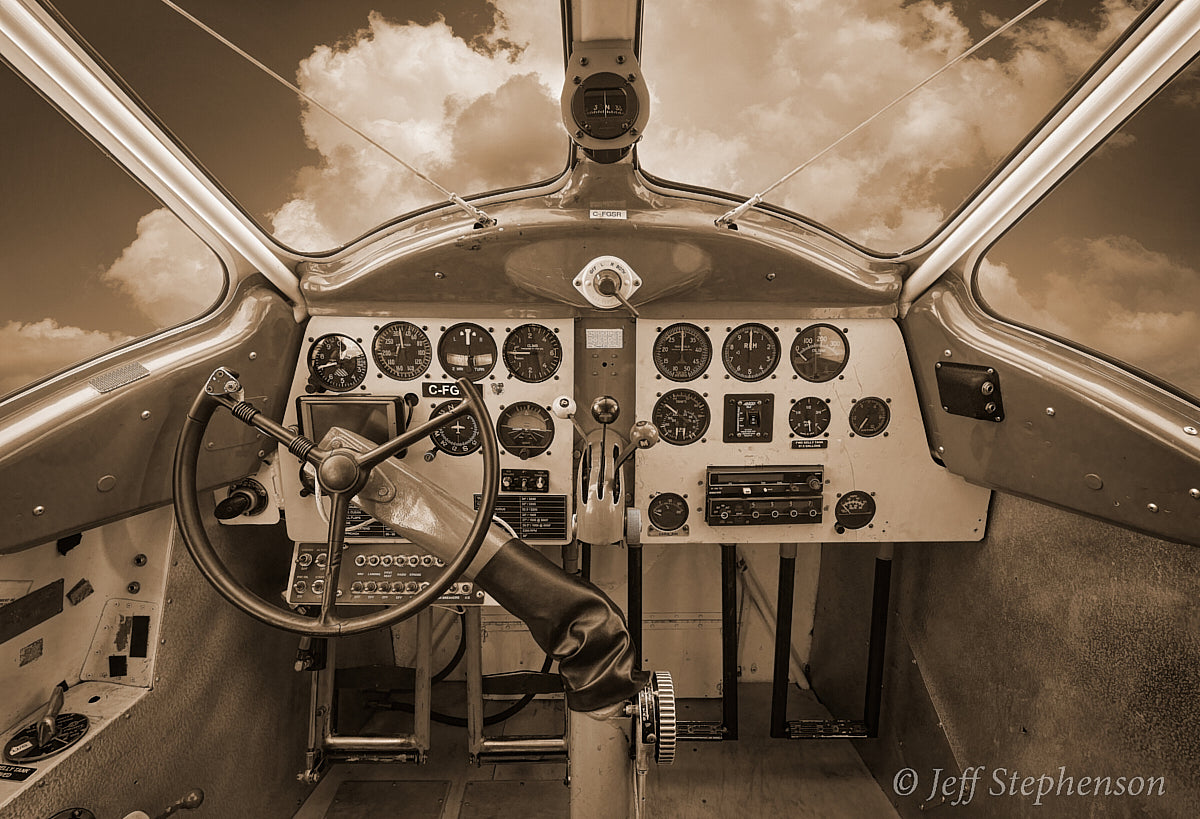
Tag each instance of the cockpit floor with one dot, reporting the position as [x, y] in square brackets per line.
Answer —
[752, 776]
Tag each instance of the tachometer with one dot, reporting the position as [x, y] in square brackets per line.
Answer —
[467, 351]
[750, 352]
[525, 429]
[460, 436]
[532, 353]
[809, 417]
[682, 417]
[820, 353]
[682, 352]
[869, 416]
[337, 362]
[402, 350]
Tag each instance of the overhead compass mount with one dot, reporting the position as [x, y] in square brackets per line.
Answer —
[605, 102]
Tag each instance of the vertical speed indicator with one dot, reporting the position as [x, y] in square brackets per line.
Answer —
[682, 352]
[532, 353]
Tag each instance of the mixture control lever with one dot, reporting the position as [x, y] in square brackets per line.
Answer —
[643, 435]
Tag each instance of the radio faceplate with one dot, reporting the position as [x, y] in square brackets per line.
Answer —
[373, 574]
[763, 496]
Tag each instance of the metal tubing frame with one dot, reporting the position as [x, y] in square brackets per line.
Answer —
[876, 653]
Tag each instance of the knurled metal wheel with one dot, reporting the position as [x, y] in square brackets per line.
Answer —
[657, 706]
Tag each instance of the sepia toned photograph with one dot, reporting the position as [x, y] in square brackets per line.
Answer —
[599, 409]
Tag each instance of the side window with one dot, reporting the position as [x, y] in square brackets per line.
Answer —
[1110, 259]
[91, 261]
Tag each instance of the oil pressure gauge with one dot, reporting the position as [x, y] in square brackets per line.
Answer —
[337, 362]
[869, 416]
[682, 417]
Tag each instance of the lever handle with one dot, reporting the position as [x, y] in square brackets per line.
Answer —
[47, 726]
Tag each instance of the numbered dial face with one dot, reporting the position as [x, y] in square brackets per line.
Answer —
[809, 417]
[532, 353]
[668, 511]
[460, 436]
[337, 362]
[525, 429]
[681, 416]
[402, 350]
[682, 352]
[870, 416]
[820, 353]
[750, 352]
[467, 351]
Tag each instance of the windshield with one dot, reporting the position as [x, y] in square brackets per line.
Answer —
[467, 93]
[741, 98]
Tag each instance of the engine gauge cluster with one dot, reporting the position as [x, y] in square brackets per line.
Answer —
[745, 405]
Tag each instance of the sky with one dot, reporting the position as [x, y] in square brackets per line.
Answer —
[468, 92]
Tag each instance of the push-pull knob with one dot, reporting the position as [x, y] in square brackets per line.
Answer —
[190, 801]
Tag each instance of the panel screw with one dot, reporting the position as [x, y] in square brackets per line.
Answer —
[253, 356]
[987, 388]
[134, 587]
[145, 415]
[38, 511]
[1153, 507]
[947, 353]
[1190, 430]
[989, 407]
[1050, 411]
[1195, 493]
[139, 560]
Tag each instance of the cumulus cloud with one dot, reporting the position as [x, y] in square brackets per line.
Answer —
[34, 349]
[793, 77]
[473, 115]
[1111, 294]
[167, 272]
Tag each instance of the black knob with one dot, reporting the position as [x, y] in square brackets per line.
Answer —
[605, 409]
[239, 502]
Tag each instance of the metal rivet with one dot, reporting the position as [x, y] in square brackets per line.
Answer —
[139, 560]
[437, 274]
[253, 356]
[145, 415]
[1050, 411]
[770, 277]
[1153, 507]
[134, 587]
[1093, 481]
[941, 449]
[1195, 493]
[38, 511]
[1190, 430]
[947, 353]
[106, 483]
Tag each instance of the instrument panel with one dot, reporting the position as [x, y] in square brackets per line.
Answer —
[379, 376]
[789, 431]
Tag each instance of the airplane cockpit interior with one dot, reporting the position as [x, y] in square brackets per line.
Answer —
[600, 408]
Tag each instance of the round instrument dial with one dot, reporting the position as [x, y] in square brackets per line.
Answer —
[820, 353]
[337, 362]
[402, 350]
[532, 353]
[682, 417]
[460, 436]
[682, 352]
[750, 352]
[467, 351]
[525, 429]
[869, 416]
[667, 511]
[854, 510]
[809, 417]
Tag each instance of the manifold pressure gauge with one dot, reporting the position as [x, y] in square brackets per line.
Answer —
[682, 352]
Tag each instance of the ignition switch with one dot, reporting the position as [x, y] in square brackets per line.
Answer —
[246, 497]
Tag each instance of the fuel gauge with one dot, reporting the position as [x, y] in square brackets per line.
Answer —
[869, 416]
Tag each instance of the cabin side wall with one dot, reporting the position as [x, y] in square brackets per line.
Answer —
[1059, 647]
[226, 713]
